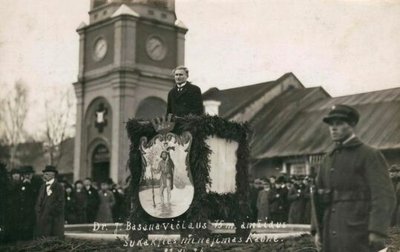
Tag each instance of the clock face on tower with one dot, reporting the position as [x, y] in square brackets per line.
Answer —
[156, 48]
[100, 49]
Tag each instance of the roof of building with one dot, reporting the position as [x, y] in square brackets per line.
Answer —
[235, 99]
[305, 133]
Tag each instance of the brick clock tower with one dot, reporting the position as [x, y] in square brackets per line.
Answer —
[126, 56]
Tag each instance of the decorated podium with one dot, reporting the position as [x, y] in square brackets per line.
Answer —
[187, 173]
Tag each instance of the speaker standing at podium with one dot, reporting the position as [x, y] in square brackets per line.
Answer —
[185, 98]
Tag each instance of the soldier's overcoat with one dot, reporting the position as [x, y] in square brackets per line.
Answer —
[361, 197]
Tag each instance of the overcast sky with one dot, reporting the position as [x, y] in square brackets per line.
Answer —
[346, 47]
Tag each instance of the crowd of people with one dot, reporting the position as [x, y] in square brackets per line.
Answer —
[287, 199]
[281, 199]
[26, 213]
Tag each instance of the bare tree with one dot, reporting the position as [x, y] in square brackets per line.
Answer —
[13, 113]
[58, 125]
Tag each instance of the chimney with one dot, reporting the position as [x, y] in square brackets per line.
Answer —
[211, 107]
[211, 101]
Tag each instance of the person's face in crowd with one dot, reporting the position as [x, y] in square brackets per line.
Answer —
[340, 130]
[104, 186]
[272, 180]
[68, 189]
[87, 183]
[28, 176]
[47, 176]
[164, 155]
[180, 76]
[267, 187]
[79, 186]
[16, 177]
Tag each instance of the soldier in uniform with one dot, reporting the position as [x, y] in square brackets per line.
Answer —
[355, 195]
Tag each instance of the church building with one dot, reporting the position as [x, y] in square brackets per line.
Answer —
[126, 56]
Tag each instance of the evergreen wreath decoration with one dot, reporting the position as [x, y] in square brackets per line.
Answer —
[206, 206]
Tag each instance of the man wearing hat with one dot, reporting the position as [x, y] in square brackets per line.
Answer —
[50, 206]
[355, 197]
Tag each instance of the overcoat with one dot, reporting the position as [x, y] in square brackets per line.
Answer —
[81, 206]
[263, 206]
[185, 102]
[26, 210]
[93, 201]
[278, 202]
[107, 201]
[356, 197]
[50, 211]
[296, 198]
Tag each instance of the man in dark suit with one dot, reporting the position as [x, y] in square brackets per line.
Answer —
[355, 194]
[185, 98]
[50, 206]
[93, 200]
[25, 202]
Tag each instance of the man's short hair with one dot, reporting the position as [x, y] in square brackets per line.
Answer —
[181, 68]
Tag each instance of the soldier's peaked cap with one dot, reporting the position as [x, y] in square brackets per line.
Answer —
[342, 112]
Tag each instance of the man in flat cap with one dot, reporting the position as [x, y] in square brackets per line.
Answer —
[50, 206]
[185, 98]
[355, 197]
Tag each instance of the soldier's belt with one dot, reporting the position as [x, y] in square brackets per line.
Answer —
[350, 195]
[328, 196]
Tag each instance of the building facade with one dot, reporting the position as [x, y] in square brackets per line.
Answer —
[127, 53]
[289, 136]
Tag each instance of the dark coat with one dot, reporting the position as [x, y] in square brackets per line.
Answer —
[396, 213]
[107, 201]
[70, 212]
[80, 206]
[263, 206]
[188, 101]
[93, 202]
[296, 198]
[13, 216]
[279, 208]
[26, 210]
[50, 211]
[361, 197]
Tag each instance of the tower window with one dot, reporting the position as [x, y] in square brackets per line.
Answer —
[163, 15]
[104, 13]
